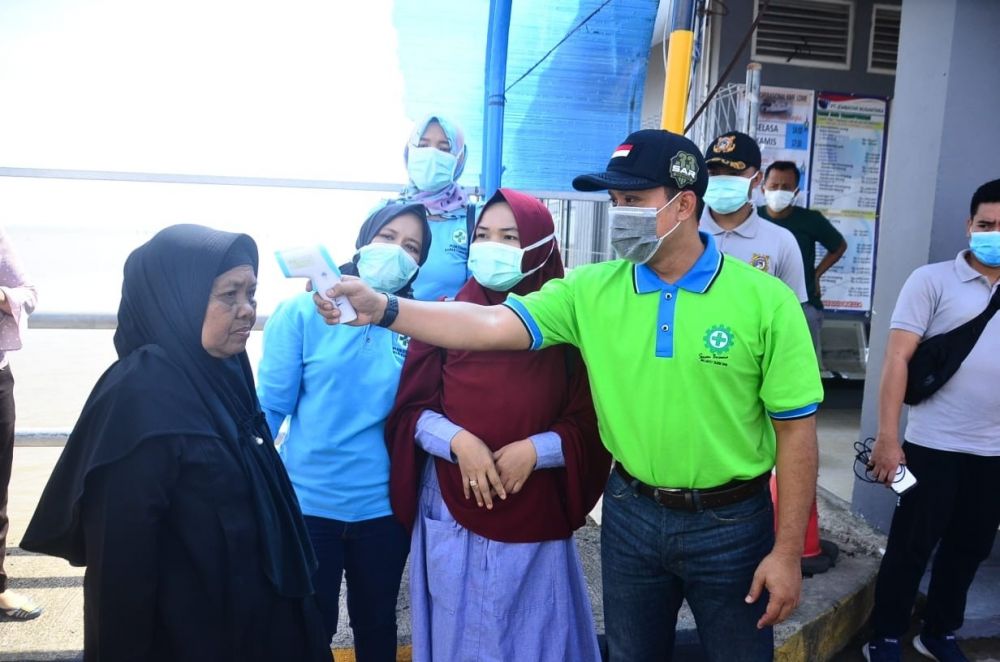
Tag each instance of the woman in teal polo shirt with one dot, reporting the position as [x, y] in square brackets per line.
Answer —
[435, 158]
[338, 386]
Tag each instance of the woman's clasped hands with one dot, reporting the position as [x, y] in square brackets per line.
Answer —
[487, 474]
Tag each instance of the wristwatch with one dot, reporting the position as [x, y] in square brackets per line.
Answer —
[391, 310]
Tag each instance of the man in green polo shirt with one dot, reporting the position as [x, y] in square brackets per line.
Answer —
[703, 376]
[781, 186]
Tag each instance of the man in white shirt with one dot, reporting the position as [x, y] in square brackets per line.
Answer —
[733, 161]
[951, 445]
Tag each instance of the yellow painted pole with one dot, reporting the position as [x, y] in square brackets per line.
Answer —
[675, 85]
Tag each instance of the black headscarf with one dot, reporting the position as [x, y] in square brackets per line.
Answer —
[374, 224]
[165, 383]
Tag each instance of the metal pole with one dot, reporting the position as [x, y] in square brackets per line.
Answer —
[753, 99]
[496, 80]
[675, 87]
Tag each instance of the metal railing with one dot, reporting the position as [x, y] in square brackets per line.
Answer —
[580, 218]
[90, 321]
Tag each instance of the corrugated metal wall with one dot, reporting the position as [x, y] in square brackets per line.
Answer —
[566, 115]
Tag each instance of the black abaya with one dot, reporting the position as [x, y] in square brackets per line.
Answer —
[170, 490]
[173, 567]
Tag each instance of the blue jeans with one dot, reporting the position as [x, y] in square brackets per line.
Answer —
[372, 553]
[652, 558]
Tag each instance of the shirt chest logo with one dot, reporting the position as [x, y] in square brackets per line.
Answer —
[400, 344]
[718, 340]
[761, 261]
[459, 246]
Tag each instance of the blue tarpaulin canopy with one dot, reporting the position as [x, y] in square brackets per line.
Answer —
[565, 112]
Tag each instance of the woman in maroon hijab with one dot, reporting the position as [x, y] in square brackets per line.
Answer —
[495, 461]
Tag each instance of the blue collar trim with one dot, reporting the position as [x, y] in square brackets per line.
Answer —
[698, 278]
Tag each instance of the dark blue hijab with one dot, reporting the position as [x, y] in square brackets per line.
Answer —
[164, 384]
[374, 224]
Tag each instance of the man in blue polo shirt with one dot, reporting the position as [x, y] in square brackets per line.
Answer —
[703, 377]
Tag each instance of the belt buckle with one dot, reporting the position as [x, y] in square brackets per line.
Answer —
[692, 498]
[659, 491]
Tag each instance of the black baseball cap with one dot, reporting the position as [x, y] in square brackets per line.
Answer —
[648, 159]
[734, 149]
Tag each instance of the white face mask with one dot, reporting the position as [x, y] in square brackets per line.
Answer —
[497, 266]
[429, 168]
[779, 200]
[633, 231]
[386, 267]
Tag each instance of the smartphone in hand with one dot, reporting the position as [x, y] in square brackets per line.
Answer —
[904, 480]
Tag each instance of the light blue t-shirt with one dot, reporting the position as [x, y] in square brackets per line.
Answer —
[338, 384]
[445, 271]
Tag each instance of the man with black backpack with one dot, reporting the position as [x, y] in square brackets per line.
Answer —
[952, 441]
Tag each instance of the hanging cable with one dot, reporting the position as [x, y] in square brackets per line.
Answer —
[560, 43]
[729, 68]
[863, 464]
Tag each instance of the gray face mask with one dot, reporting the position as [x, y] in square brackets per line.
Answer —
[633, 231]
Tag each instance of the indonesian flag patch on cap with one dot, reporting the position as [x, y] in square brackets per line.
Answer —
[622, 150]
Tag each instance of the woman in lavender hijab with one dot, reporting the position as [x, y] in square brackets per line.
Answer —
[435, 158]
[17, 300]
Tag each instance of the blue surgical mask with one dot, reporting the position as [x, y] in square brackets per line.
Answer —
[633, 231]
[386, 267]
[497, 266]
[429, 168]
[986, 247]
[727, 193]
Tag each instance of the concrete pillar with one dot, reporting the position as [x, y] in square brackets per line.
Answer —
[943, 134]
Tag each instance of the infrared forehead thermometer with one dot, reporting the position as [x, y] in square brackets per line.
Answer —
[314, 262]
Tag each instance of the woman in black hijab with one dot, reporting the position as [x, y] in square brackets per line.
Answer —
[169, 489]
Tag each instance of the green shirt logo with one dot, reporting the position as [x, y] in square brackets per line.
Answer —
[718, 339]
[683, 169]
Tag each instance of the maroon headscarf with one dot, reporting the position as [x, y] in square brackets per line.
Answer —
[502, 397]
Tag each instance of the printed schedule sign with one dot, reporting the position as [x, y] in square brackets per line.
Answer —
[846, 178]
[784, 131]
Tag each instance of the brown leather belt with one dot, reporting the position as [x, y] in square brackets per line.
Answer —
[697, 500]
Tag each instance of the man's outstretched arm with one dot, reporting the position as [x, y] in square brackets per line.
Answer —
[451, 324]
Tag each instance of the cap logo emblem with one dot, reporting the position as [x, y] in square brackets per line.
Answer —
[684, 169]
[724, 144]
[622, 150]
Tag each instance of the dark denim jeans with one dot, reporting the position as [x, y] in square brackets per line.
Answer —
[652, 558]
[372, 553]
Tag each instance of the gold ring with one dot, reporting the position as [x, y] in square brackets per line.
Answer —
[473, 482]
